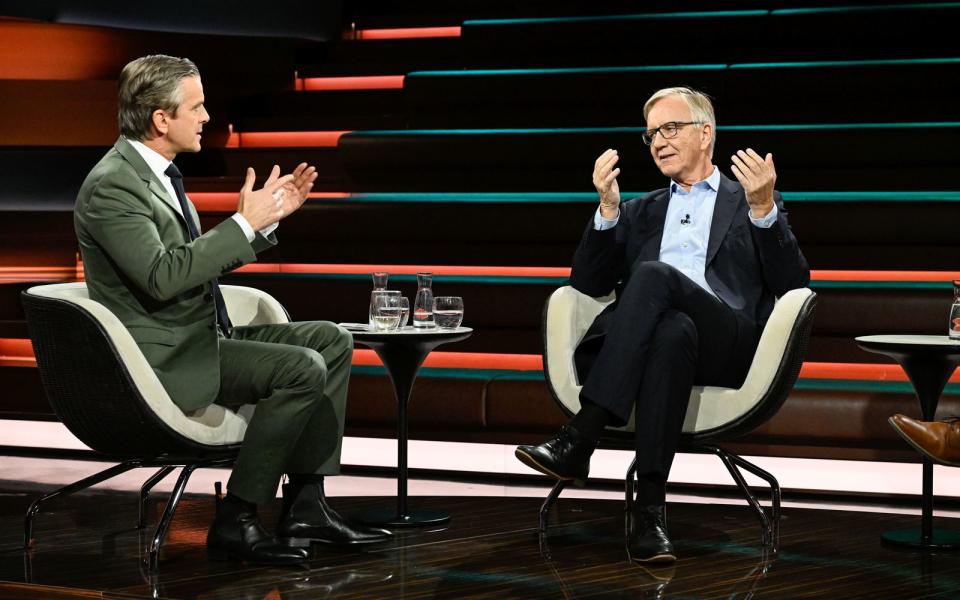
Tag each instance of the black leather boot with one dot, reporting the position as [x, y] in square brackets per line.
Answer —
[306, 517]
[236, 533]
[565, 456]
[647, 539]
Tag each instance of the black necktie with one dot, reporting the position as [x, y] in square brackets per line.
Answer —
[223, 319]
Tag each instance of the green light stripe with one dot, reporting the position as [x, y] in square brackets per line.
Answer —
[835, 126]
[591, 197]
[480, 197]
[692, 67]
[868, 8]
[847, 63]
[882, 285]
[559, 281]
[859, 385]
[566, 71]
[442, 132]
[607, 18]
[484, 279]
[440, 373]
[871, 196]
[637, 130]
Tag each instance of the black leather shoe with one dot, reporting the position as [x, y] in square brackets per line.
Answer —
[306, 517]
[565, 456]
[240, 535]
[647, 539]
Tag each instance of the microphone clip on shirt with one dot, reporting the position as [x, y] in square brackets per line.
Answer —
[685, 220]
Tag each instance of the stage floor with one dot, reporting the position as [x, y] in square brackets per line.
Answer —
[87, 546]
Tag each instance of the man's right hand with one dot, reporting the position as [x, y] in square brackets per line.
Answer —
[265, 206]
[605, 180]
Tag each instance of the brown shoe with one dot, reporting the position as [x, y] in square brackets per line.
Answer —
[937, 440]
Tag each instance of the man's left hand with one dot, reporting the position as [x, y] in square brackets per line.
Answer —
[294, 193]
[757, 176]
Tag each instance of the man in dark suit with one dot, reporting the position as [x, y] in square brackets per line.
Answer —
[697, 268]
[146, 260]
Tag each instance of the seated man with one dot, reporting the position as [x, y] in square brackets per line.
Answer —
[937, 440]
[696, 267]
[147, 261]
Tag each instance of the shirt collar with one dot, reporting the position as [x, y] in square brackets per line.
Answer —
[710, 183]
[156, 161]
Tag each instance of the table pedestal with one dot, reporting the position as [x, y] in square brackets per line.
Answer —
[402, 354]
[928, 367]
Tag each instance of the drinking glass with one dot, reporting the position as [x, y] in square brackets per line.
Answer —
[380, 279]
[953, 330]
[448, 311]
[404, 311]
[386, 309]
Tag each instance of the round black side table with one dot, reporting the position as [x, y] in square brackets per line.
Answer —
[929, 361]
[402, 352]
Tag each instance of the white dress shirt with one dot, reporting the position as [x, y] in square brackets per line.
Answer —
[158, 164]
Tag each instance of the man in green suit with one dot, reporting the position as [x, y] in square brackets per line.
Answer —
[146, 260]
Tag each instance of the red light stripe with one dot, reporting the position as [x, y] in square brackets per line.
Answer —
[367, 82]
[284, 139]
[16, 352]
[407, 33]
[227, 201]
[19, 352]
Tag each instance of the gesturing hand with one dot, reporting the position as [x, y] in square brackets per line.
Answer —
[605, 180]
[294, 193]
[264, 207]
[757, 176]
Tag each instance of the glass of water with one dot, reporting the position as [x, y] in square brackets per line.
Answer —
[448, 311]
[404, 311]
[953, 330]
[386, 309]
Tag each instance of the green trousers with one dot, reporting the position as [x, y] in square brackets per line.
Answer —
[297, 375]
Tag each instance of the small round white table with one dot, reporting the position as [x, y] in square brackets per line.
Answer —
[402, 352]
[929, 361]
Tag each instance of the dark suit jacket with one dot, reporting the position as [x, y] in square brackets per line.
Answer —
[140, 263]
[747, 267]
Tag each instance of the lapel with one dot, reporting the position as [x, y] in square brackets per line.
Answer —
[729, 199]
[149, 178]
[656, 217]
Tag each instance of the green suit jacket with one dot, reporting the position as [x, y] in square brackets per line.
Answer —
[140, 264]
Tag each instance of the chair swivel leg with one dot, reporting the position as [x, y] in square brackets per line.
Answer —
[549, 502]
[145, 493]
[70, 489]
[167, 517]
[770, 524]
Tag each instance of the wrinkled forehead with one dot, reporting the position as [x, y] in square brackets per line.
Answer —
[666, 109]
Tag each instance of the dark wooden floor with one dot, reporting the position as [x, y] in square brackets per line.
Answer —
[87, 547]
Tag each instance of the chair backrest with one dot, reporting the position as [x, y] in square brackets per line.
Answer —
[102, 388]
[713, 412]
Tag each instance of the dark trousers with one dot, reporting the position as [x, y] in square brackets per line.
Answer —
[297, 375]
[665, 335]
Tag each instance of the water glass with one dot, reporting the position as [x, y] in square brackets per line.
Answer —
[953, 328]
[404, 311]
[448, 311]
[385, 305]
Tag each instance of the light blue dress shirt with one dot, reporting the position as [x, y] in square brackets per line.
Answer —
[686, 231]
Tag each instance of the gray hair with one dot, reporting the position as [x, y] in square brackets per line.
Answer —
[701, 108]
[147, 84]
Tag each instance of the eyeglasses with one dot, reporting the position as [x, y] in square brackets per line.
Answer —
[667, 130]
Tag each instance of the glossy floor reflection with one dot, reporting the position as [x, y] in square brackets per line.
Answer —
[490, 549]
